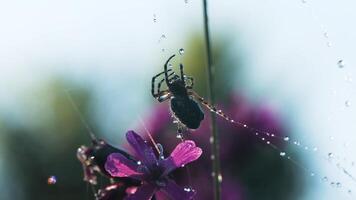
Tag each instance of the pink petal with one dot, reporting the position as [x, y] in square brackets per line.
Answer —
[118, 165]
[184, 153]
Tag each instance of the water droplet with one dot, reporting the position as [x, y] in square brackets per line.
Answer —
[212, 174]
[347, 103]
[186, 1]
[268, 142]
[349, 191]
[348, 78]
[154, 18]
[52, 180]
[338, 184]
[326, 34]
[263, 138]
[341, 63]
[179, 136]
[315, 149]
[330, 155]
[332, 184]
[328, 44]
[245, 125]
[187, 189]
[272, 135]
[139, 162]
[306, 148]
[286, 138]
[256, 133]
[182, 165]
[312, 174]
[282, 154]
[211, 140]
[181, 51]
[304, 1]
[212, 157]
[163, 50]
[220, 178]
[325, 179]
[170, 65]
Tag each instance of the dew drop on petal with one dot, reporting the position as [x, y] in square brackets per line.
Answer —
[341, 63]
[52, 180]
[181, 51]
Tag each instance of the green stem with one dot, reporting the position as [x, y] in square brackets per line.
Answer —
[215, 149]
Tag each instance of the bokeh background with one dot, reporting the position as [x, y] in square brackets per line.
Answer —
[276, 69]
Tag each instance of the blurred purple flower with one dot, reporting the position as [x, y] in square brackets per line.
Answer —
[153, 172]
[240, 148]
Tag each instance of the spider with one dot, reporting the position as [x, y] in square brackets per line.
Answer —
[184, 106]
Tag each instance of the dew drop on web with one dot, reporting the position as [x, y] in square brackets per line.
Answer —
[52, 180]
[181, 51]
[341, 64]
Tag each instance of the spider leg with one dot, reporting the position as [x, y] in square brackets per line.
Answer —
[163, 96]
[165, 69]
[153, 82]
[160, 83]
[181, 73]
[213, 108]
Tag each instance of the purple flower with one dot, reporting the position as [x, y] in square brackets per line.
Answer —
[152, 171]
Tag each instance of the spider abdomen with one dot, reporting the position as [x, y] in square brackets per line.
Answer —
[187, 111]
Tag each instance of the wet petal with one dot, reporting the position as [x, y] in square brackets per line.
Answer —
[118, 165]
[176, 192]
[142, 149]
[184, 153]
[144, 192]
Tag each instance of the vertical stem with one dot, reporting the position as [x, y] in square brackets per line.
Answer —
[215, 149]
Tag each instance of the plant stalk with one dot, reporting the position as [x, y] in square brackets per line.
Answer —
[215, 149]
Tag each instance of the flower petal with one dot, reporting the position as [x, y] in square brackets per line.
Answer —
[144, 192]
[184, 153]
[118, 165]
[175, 192]
[142, 149]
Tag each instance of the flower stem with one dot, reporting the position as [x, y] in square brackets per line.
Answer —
[215, 149]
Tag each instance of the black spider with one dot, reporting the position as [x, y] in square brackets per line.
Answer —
[182, 96]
